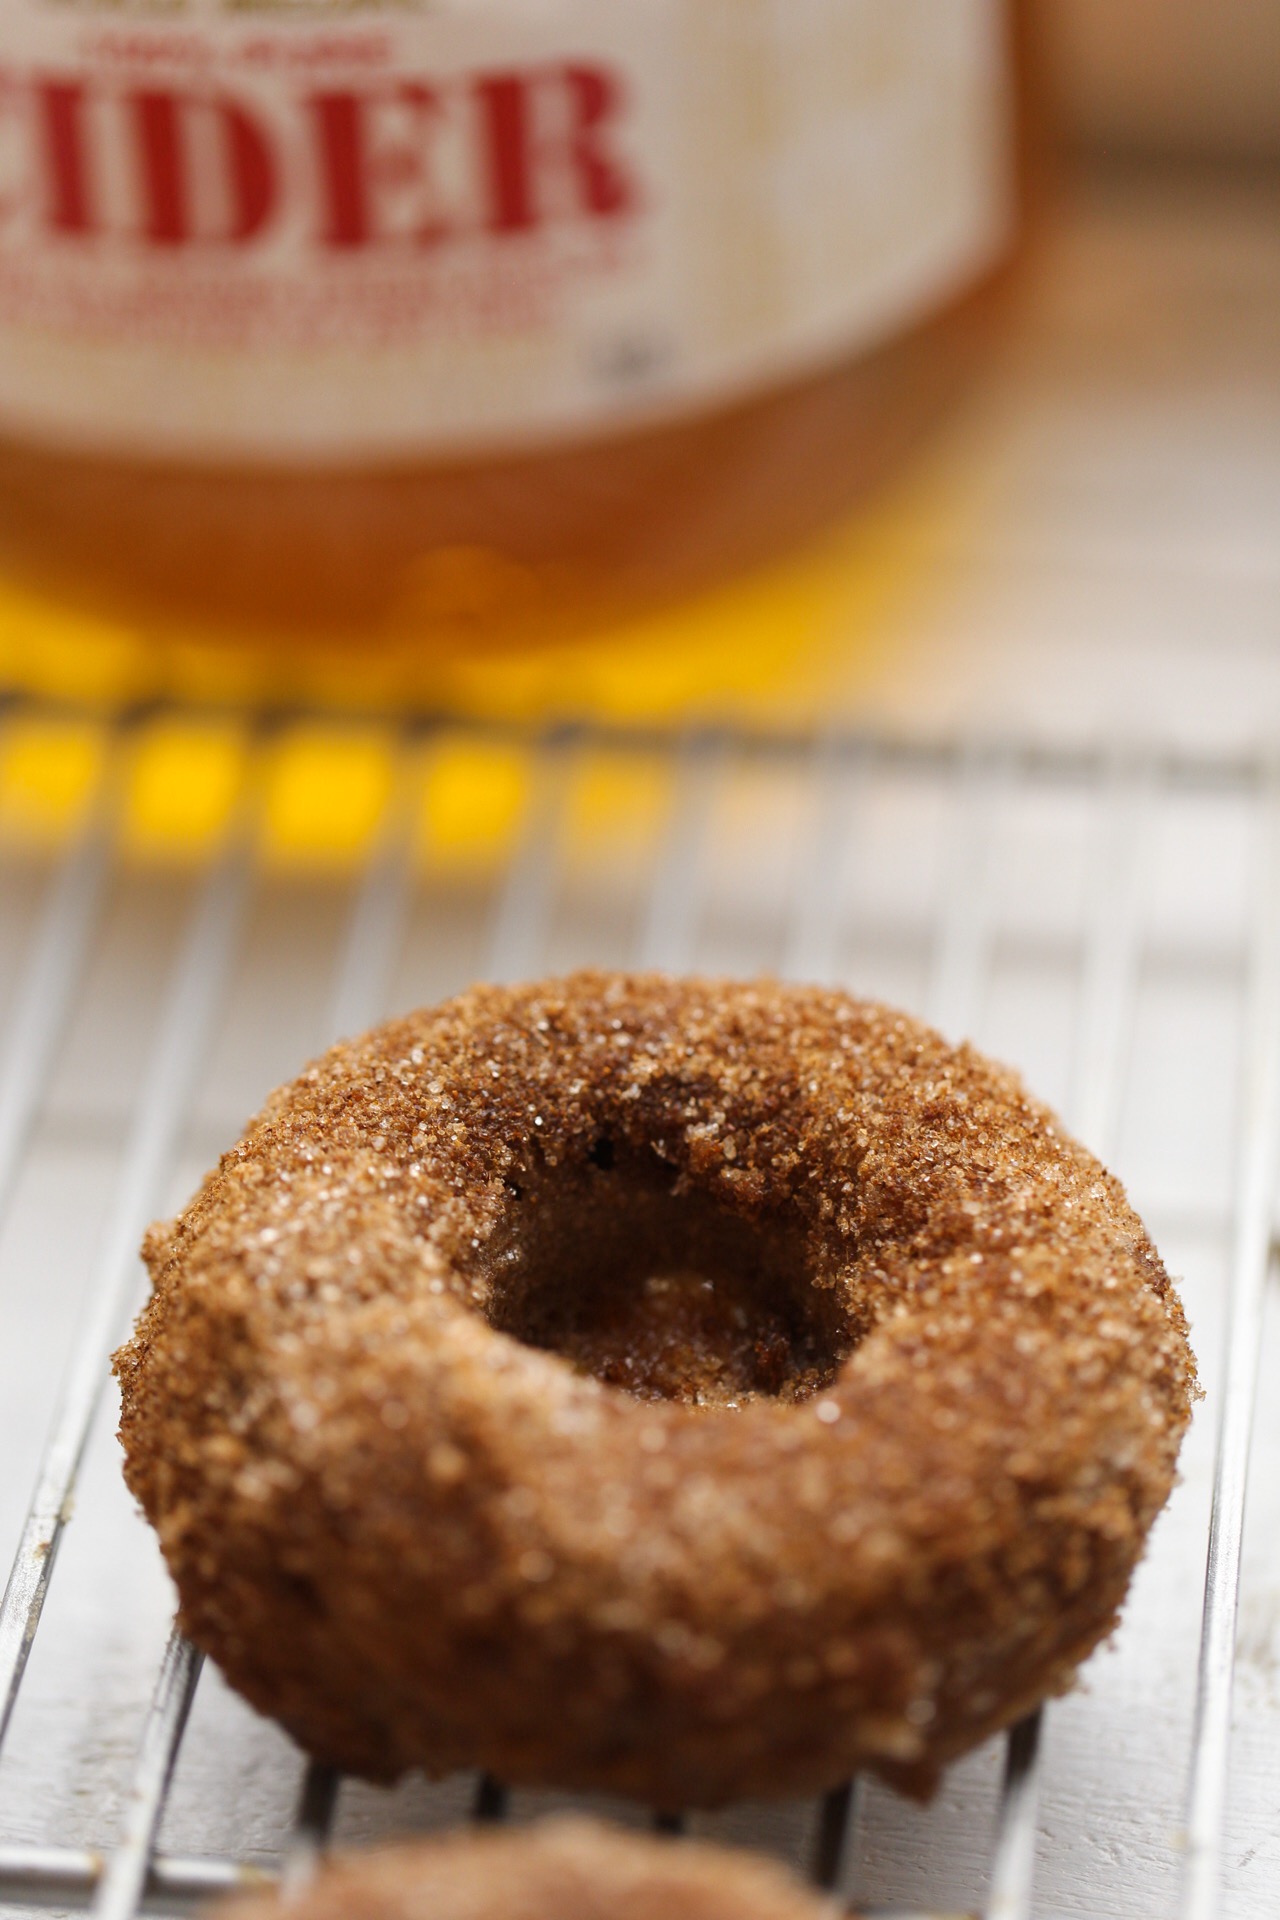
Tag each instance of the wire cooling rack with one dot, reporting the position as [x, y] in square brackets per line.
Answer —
[1108, 921]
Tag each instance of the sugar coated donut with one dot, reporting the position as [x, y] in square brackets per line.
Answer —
[677, 1387]
[559, 1870]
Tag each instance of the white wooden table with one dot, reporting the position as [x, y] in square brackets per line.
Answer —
[1041, 816]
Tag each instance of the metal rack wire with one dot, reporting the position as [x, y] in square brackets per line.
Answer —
[796, 908]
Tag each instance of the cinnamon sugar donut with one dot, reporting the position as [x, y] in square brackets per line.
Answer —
[561, 1870]
[678, 1387]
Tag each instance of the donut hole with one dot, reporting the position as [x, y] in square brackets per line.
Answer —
[661, 1290]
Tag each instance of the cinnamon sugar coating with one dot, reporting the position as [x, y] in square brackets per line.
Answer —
[559, 1870]
[690, 1389]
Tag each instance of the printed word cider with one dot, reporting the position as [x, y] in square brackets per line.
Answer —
[432, 316]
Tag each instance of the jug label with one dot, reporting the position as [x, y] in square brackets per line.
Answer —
[350, 230]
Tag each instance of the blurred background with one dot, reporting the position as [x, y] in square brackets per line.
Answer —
[1098, 495]
[1167, 79]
